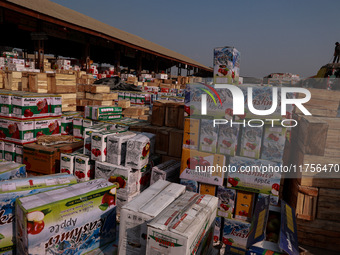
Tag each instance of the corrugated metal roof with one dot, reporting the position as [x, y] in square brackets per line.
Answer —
[57, 11]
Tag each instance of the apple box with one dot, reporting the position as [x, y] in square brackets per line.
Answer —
[30, 106]
[251, 140]
[273, 229]
[116, 146]
[11, 170]
[74, 219]
[239, 235]
[208, 136]
[99, 144]
[83, 167]
[12, 189]
[135, 215]
[226, 202]
[87, 137]
[273, 143]
[240, 177]
[281, 232]
[137, 151]
[227, 140]
[168, 170]
[6, 104]
[183, 226]
[198, 166]
[190, 185]
[126, 179]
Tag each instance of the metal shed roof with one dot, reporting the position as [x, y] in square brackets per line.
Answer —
[93, 26]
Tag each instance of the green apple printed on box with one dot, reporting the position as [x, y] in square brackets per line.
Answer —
[254, 181]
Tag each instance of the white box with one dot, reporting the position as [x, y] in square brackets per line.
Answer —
[168, 171]
[98, 145]
[116, 146]
[126, 179]
[162, 76]
[137, 152]
[182, 227]
[135, 214]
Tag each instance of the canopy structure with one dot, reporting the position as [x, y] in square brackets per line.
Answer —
[54, 29]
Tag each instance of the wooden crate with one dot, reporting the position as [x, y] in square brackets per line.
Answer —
[69, 102]
[323, 102]
[64, 83]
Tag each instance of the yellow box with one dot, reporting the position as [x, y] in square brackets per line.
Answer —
[191, 133]
[244, 205]
[207, 189]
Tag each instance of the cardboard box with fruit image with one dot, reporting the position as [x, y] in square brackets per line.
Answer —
[281, 233]
[184, 227]
[126, 179]
[226, 65]
[19, 153]
[103, 112]
[251, 140]
[268, 231]
[67, 122]
[6, 104]
[208, 136]
[99, 145]
[190, 185]
[83, 168]
[78, 126]
[9, 151]
[11, 190]
[168, 171]
[274, 140]
[67, 163]
[135, 215]
[50, 126]
[87, 136]
[31, 105]
[116, 145]
[226, 203]
[216, 108]
[80, 220]
[55, 105]
[217, 229]
[17, 130]
[244, 205]
[238, 235]
[262, 99]
[11, 170]
[227, 140]
[191, 133]
[249, 176]
[137, 151]
[196, 165]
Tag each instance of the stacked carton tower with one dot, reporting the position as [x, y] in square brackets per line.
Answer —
[223, 155]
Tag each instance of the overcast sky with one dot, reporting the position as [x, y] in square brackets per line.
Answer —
[296, 36]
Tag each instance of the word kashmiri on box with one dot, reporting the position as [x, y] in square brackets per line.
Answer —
[196, 165]
[89, 210]
[249, 175]
[10, 190]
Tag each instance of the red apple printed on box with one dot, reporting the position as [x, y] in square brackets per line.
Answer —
[35, 221]
[109, 199]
